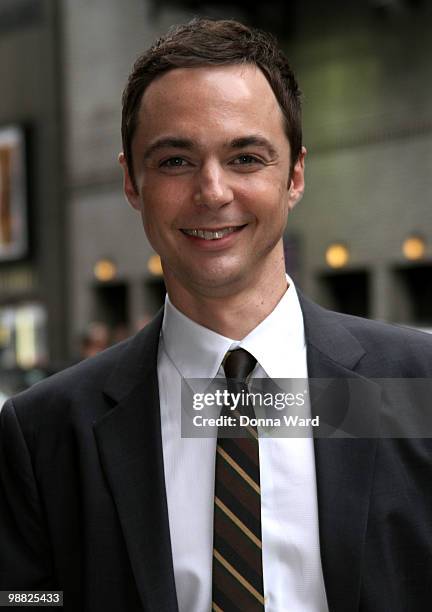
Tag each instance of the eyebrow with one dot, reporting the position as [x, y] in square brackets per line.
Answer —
[253, 140]
[171, 142]
[168, 143]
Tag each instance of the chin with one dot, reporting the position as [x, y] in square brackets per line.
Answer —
[221, 283]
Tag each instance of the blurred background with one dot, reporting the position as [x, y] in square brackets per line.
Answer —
[76, 272]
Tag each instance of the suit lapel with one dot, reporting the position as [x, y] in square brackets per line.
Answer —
[130, 447]
[344, 467]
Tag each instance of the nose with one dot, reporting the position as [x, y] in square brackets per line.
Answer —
[213, 190]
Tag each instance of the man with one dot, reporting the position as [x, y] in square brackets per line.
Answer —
[101, 495]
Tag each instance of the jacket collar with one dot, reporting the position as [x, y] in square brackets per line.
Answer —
[325, 332]
[138, 358]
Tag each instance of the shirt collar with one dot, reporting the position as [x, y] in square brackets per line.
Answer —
[277, 340]
[197, 351]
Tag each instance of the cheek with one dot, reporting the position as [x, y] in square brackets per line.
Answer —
[268, 199]
[253, 192]
[284, 199]
[161, 209]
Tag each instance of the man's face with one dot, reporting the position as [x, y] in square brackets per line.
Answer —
[211, 162]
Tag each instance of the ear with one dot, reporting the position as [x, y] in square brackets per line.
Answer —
[129, 190]
[297, 184]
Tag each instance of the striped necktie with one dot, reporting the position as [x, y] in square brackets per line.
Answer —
[237, 549]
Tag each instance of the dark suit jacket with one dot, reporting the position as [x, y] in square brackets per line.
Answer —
[82, 496]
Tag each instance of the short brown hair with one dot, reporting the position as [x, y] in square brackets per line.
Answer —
[206, 42]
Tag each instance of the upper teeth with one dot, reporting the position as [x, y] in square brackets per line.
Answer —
[208, 235]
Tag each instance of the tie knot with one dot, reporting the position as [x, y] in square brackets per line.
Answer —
[239, 364]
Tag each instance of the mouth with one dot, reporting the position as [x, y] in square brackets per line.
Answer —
[210, 234]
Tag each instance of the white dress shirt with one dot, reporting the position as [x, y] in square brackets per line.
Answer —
[292, 571]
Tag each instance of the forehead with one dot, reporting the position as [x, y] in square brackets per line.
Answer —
[216, 99]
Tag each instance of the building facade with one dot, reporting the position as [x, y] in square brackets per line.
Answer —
[361, 239]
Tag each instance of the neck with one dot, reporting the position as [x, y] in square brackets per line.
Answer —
[233, 315]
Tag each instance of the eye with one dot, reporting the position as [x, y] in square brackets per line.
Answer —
[242, 160]
[173, 162]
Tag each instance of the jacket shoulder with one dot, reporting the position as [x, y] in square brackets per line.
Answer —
[81, 394]
[372, 348]
[86, 380]
[75, 389]
[394, 350]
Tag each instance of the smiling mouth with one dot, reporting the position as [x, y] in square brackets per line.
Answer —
[212, 234]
